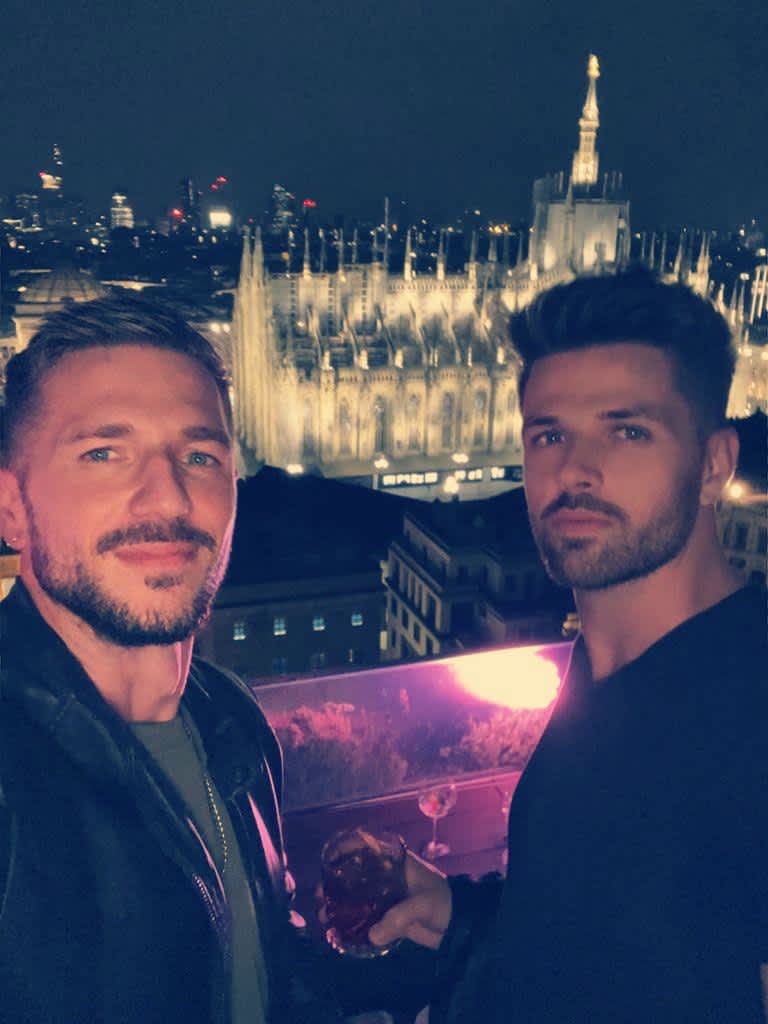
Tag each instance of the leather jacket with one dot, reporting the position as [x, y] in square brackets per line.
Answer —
[111, 908]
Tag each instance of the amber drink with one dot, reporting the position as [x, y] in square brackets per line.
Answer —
[363, 876]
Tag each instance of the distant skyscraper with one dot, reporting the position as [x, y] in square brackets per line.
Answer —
[190, 205]
[51, 181]
[27, 208]
[217, 212]
[282, 211]
[120, 213]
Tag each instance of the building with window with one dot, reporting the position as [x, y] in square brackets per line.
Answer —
[743, 513]
[464, 575]
[120, 212]
[304, 590]
[295, 626]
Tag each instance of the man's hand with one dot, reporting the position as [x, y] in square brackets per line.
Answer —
[424, 915]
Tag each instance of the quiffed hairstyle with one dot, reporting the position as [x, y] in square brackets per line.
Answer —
[108, 322]
[634, 306]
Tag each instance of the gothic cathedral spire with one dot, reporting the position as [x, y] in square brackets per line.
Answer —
[586, 159]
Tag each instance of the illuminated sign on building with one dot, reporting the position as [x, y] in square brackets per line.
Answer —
[220, 217]
[471, 475]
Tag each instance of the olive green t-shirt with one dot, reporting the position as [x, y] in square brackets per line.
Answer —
[177, 748]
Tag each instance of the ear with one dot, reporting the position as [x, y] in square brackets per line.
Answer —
[13, 516]
[721, 456]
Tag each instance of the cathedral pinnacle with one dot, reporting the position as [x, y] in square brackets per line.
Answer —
[585, 159]
[409, 254]
[306, 268]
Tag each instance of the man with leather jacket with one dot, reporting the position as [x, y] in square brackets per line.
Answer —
[142, 870]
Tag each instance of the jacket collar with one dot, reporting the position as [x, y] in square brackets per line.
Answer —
[42, 677]
[41, 673]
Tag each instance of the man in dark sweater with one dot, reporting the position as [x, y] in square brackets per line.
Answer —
[637, 881]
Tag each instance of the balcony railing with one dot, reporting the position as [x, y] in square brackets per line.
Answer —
[359, 749]
[378, 732]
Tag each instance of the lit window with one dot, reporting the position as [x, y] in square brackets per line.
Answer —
[278, 626]
[239, 630]
[318, 623]
[357, 618]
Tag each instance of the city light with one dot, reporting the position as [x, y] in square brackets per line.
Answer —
[219, 217]
[451, 485]
[294, 468]
[460, 458]
[516, 678]
[381, 462]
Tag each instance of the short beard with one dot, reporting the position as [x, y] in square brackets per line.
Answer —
[112, 619]
[638, 554]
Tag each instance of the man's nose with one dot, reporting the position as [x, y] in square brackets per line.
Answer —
[161, 490]
[581, 465]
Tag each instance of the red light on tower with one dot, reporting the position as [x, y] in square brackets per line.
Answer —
[176, 213]
[309, 204]
[221, 180]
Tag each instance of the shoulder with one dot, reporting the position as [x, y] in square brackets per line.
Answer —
[736, 634]
[730, 635]
[229, 693]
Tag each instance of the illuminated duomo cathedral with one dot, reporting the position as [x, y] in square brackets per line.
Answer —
[410, 381]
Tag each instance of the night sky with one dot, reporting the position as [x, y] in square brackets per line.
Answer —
[452, 105]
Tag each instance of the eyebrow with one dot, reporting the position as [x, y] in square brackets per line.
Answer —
[110, 431]
[207, 434]
[634, 412]
[103, 431]
[540, 421]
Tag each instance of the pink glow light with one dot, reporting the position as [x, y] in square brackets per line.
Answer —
[515, 678]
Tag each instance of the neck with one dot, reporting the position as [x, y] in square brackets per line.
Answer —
[619, 623]
[141, 684]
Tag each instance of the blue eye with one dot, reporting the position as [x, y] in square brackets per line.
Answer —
[98, 455]
[633, 433]
[201, 459]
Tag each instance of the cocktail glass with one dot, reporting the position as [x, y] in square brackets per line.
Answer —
[435, 802]
[363, 876]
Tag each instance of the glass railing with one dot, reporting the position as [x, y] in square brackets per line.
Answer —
[369, 734]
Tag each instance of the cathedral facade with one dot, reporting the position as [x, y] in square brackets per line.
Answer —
[359, 373]
[409, 381]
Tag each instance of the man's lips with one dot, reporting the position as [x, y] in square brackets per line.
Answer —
[156, 554]
[577, 521]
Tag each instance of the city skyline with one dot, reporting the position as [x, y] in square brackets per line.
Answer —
[457, 108]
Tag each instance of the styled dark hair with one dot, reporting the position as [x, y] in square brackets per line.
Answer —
[635, 306]
[109, 322]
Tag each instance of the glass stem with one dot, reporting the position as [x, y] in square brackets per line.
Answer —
[434, 833]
